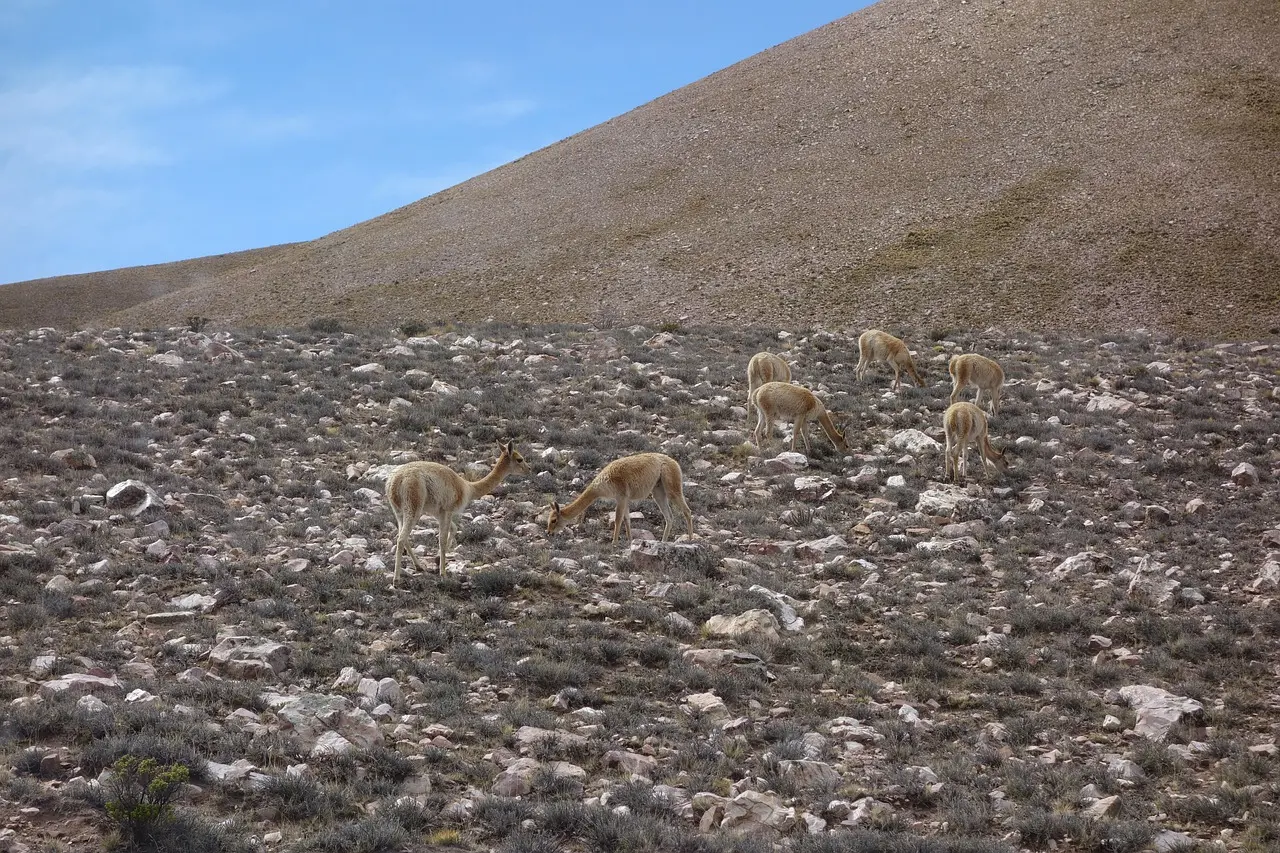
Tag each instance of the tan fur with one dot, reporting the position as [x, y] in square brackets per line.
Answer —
[764, 367]
[876, 347]
[966, 424]
[429, 488]
[631, 478]
[980, 372]
[782, 401]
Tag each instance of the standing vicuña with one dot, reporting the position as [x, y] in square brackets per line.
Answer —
[631, 478]
[419, 488]
[764, 367]
[875, 346]
[980, 372]
[782, 401]
[966, 424]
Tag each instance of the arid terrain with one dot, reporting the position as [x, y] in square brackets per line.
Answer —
[851, 655]
[1069, 166]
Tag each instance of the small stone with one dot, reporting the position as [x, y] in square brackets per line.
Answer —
[1245, 474]
[59, 583]
[1103, 807]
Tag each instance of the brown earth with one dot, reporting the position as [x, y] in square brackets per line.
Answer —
[1076, 166]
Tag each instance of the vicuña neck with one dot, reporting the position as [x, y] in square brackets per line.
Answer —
[579, 504]
[486, 484]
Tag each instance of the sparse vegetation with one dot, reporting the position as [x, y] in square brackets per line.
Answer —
[923, 656]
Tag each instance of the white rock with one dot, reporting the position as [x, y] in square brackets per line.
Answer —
[913, 441]
[754, 812]
[131, 497]
[707, 705]
[1109, 403]
[820, 548]
[1269, 575]
[1103, 807]
[229, 774]
[79, 684]
[1085, 561]
[91, 704]
[59, 583]
[807, 773]
[943, 501]
[167, 359]
[331, 743]
[1157, 710]
[784, 462]
[753, 622]
[866, 809]
[1245, 474]
[195, 601]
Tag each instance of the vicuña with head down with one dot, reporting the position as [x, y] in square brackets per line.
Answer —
[965, 424]
[419, 488]
[875, 347]
[782, 401]
[631, 478]
[980, 372]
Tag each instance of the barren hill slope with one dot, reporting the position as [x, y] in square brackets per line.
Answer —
[1072, 164]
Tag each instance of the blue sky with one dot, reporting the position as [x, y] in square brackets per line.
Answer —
[143, 131]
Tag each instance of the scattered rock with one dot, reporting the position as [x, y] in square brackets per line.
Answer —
[757, 813]
[1245, 474]
[755, 623]
[76, 458]
[81, 684]
[249, 657]
[1158, 710]
[913, 441]
[131, 497]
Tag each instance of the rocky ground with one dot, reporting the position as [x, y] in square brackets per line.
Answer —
[851, 655]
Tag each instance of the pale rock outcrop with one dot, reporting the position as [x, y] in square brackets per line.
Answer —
[1158, 710]
[757, 623]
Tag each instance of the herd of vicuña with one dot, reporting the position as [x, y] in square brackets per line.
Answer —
[429, 488]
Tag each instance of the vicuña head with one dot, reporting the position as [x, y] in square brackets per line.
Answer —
[429, 488]
[631, 478]
[980, 372]
[965, 424]
[875, 346]
[782, 401]
[764, 367]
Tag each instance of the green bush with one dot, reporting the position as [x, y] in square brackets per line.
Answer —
[140, 796]
[327, 325]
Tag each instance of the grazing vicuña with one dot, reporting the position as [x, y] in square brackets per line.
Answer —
[966, 424]
[875, 346]
[782, 401]
[631, 478]
[419, 488]
[980, 372]
[764, 367]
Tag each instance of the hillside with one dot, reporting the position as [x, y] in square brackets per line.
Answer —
[1056, 165]
[851, 655]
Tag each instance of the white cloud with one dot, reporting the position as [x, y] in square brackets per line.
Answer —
[93, 119]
